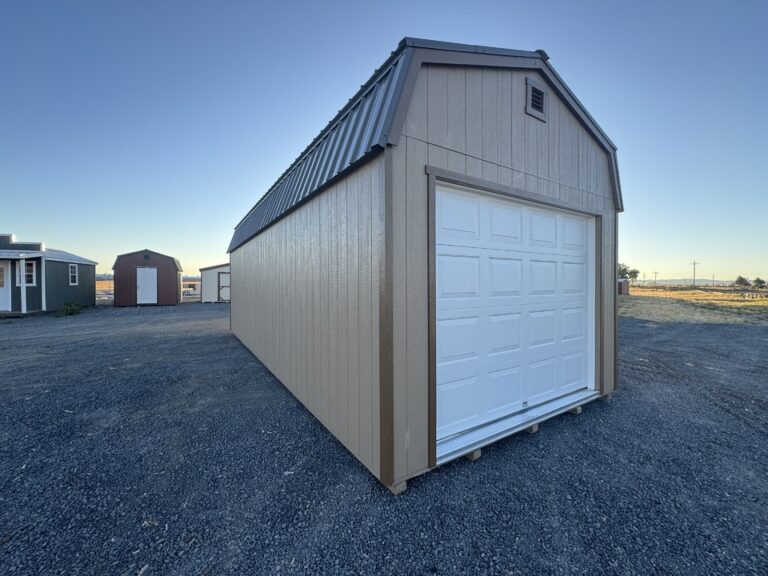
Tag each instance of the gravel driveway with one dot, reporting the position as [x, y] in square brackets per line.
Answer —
[149, 441]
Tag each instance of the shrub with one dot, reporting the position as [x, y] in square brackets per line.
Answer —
[742, 282]
[70, 309]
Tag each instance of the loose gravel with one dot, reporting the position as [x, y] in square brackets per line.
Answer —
[150, 441]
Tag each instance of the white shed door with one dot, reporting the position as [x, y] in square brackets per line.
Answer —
[146, 285]
[515, 315]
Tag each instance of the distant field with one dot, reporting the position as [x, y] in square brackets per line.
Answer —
[750, 301]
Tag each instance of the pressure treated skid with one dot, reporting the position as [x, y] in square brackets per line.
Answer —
[333, 288]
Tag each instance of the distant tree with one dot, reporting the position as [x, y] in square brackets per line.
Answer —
[742, 282]
[624, 271]
[758, 283]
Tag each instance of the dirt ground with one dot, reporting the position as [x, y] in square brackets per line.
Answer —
[150, 441]
[739, 302]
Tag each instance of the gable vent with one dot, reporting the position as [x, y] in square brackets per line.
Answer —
[537, 99]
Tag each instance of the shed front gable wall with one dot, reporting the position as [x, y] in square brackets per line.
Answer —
[306, 302]
[471, 121]
[209, 283]
[168, 278]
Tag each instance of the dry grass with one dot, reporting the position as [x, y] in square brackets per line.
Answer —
[750, 302]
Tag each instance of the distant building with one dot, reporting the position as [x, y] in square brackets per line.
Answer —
[190, 288]
[214, 282]
[147, 278]
[622, 286]
[34, 278]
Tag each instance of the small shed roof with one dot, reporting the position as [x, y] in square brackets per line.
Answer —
[214, 267]
[373, 117]
[62, 256]
[175, 261]
[48, 253]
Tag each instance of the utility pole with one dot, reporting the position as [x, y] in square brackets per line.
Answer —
[654, 279]
[694, 272]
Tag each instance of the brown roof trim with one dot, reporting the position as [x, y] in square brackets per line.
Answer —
[175, 260]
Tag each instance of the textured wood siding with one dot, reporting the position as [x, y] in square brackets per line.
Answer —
[305, 301]
[58, 292]
[472, 121]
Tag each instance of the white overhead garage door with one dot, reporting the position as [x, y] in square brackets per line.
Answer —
[514, 303]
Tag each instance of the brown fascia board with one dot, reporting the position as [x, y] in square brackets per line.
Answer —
[449, 54]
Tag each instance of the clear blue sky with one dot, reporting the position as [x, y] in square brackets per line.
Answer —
[126, 125]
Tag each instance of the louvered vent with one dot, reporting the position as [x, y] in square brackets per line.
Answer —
[537, 99]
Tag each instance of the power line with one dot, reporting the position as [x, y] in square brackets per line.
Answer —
[694, 272]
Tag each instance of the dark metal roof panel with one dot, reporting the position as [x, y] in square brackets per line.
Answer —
[356, 131]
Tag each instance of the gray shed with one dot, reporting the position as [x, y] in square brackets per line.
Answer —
[436, 270]
[34, 278]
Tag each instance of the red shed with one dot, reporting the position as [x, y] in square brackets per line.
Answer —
[145, 278]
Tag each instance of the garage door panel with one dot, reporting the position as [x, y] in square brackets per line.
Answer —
[574, 277]
[542, 228]
[542, 277]
[541, 328]
[573, 369]
[459, 276]
[504, 333]
[458, 215]
[459, 339]
[506, 224]
[513, 289]
[573, 324]
[504, 391]
[540, 376]
[458, 407]
[505, 276]
[574, 234]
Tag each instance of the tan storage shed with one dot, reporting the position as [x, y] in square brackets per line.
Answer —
[436, 271]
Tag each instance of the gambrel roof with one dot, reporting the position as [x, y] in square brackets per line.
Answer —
[148, 251]
[373, 118]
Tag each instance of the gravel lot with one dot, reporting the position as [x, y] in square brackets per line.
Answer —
[149, 441]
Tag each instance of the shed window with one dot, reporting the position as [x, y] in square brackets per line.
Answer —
[536, 100]
[73, 274]
[30, 273]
